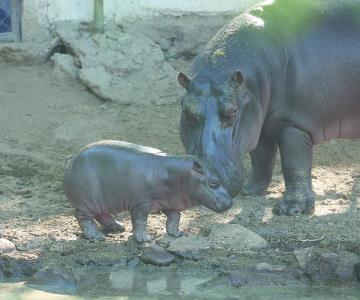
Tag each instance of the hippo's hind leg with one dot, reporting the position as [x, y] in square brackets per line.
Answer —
[262, 161]
[172, 222]
[88, 226]
[109, 222]
[296, 162]
[139, 217]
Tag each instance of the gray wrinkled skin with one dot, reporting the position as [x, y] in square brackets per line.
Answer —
[285, 74]
[109, 177]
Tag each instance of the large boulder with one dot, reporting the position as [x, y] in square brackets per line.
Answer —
[122, 67]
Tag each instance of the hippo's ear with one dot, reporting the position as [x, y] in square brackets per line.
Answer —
[183, 80]
[238, 78]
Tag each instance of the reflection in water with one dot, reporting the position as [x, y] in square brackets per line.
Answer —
[154, 283]
[139, 283]
[157, 283]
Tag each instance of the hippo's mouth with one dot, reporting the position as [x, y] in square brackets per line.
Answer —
[218, 204]
[223, 208]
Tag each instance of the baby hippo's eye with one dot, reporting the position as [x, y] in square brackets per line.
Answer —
[191, 110]
[229, 111]
[214, 183]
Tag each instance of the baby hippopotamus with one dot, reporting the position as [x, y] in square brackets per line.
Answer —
[109, 177]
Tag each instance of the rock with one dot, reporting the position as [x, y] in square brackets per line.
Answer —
[234, 237]
[27, 53]
[6, 246]
[133, 263]
[23, 192]
[102, 254]
[328, 268]
[236, 279]
[1, 276]
[54, 278]
[268, 267]
[18, 265]
[249, 277]
[190, 247]
[64, 66]
[157, 256]
[357, 271]
[123, 68]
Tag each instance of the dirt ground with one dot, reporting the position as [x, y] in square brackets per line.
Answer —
[44, 120]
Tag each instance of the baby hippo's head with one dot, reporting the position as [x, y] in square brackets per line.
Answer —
[206, 188]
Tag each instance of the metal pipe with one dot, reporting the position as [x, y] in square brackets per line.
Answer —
[99, 16]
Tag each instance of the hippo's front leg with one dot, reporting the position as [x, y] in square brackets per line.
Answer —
[139, 216]
[262, 162]
[172, 222]
[296, 161]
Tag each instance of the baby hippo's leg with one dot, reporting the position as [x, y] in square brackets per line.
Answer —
[139, 217]
[109, 222]
[172, 222]
[88, 227]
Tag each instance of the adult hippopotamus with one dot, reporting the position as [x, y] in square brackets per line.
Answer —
[285, 73]
[109, 177]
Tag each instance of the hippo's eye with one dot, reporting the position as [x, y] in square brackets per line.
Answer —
[233, 112]
[214, 183]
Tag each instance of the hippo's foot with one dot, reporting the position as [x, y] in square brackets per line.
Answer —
[175, 233]
[290, 206]
[110, 224]
[90, 230]
[253, 189]
[172, 222]
[142, 237]
[115, 227]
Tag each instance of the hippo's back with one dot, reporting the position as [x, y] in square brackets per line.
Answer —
[105, 176]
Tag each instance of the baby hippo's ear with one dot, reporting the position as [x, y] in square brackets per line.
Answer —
[197, 169]
[183, 80]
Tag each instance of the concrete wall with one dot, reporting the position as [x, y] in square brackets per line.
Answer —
[40, 15]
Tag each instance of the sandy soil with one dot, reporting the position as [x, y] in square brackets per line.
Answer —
[44, 120]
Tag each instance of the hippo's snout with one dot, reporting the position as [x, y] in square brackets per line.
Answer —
[218, 200]
[224, 206]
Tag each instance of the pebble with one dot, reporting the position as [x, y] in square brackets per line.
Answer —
[6, 246]
[157, 256]
[54, 278]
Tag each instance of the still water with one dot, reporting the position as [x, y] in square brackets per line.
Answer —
[131, 284]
